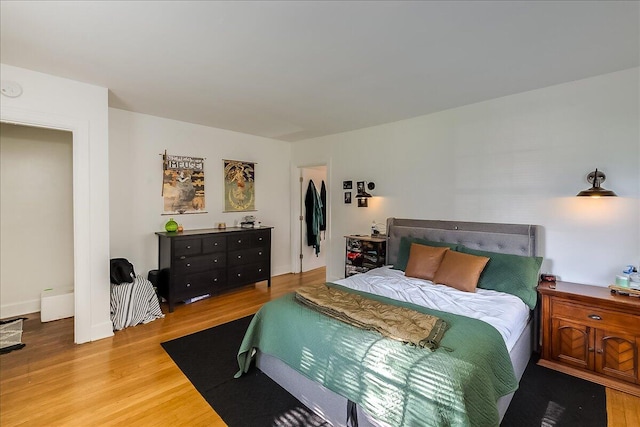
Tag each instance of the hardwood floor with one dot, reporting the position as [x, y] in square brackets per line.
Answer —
[128, 379]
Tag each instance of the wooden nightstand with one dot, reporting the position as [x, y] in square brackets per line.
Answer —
[590, 333]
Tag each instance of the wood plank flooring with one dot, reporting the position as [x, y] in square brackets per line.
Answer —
[128, 379]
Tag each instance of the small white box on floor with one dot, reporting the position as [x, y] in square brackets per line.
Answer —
[56, 304]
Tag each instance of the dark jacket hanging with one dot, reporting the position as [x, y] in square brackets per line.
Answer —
[313, 216]
[323, 199]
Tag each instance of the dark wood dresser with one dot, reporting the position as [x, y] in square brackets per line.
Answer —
[590, 333]
[193, 263]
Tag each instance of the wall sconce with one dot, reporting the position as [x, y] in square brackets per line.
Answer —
[595, 178]
[362, 194]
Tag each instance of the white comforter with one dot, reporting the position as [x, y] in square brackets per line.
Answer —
[505, 312]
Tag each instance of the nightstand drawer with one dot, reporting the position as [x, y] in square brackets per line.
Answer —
[594, 316]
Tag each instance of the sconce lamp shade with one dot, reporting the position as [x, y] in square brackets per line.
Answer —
[595, 178]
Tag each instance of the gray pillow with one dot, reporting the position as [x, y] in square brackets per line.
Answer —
[405, 248]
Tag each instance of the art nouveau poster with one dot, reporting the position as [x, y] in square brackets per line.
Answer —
[239, 186]
[183, 185]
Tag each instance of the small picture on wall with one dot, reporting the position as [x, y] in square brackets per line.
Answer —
[360, 187]
[182, 184]
[347, 185]
[347, 196]
[362, 202]
[239, 186]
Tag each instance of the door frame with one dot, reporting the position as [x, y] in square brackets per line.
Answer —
[82, 262]
[297, 209]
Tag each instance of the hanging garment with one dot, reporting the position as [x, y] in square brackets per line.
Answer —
[323, 199]
[313, 216]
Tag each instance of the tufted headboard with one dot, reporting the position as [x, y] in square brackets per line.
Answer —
[514, 239]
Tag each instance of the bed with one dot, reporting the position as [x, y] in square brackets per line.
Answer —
[354, 377]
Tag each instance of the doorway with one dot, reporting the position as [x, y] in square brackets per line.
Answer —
[306, 255]
[36, 202]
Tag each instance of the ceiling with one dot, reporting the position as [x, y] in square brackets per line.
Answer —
[293, 70]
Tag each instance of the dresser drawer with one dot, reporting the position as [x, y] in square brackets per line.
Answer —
[248, 256]
[240, 241]
[596, 317]
[214, 244]
[262, 238]
[187, 247]
[248, 273]
[249, 239]
[191, 285]
[196, 264]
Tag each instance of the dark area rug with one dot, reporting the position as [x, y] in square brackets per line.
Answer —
[550, 398]
[208, 359]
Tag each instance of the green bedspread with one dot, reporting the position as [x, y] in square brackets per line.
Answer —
[456, 385]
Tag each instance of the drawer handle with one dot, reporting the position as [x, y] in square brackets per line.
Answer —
[599, 351]
[260, 238]
[239, 274]
[189, 247]
[215, 244]
[183, 257]
[215, 280]
[239, 256]
[591, 349]
[188, 285]
[594, 317]
[239, 240]
[259, 253]
[215, 260]
[188, 265]
[259, 270]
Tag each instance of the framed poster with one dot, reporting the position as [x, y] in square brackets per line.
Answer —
[183, 185]
[239, 186]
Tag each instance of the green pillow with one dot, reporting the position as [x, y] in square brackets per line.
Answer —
[514, 274]
[405, 248]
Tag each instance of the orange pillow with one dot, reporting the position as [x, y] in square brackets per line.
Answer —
[424, 261]
[460, 271]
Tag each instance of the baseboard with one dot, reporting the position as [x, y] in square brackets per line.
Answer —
[619, 385]
[19, 309]
[103, 330]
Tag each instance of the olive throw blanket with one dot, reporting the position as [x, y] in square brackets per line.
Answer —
[398, 323]
[399, 384]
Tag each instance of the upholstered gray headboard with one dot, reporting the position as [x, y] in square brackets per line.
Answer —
[503, 238]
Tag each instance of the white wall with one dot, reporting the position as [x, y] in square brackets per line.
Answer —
[516, 159]
[57, 103]
[36, 206]
[136, 142]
